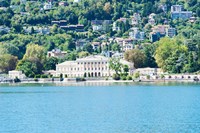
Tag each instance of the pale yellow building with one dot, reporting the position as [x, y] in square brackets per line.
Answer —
[91, 66]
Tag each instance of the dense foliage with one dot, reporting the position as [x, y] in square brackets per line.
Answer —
[178, 55]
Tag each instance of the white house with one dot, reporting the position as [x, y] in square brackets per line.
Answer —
[16, 74]
[47, 6]
[178, 12]
[56, 53]
[149, 71]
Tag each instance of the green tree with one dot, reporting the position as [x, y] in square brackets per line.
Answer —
[50, 63]
[116, 47]
[7, 62]
[30, 67]
[34, 51]
[170, 55]
[136, 56]
[115, 65]
[88, 47]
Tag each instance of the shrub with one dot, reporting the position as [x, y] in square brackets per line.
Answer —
[61, 75]
[65, 75]
[17, 80]
[116, 77]
[35, 79]
[123, 77]
[148, 76]
[44, 76]
[137, 75]
[80, 79]
[129, 78]
[37, 76]
[85, 75]
[106, 78]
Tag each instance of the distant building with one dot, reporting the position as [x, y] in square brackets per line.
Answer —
[38, 30]
[3, 8]
[63, 3]
[77, 1]
[91, 66]
[22, 1]
[193, 19]
[125, 44]
[149, 71]
[4, 29]
[122, 20]
[136, 34]
[115, 27]
[59, 23]
[135, 19]
[16, 74]
[50, 72]
[47, 6]
[177, 12]
[81, 43]
[118, 55]
[78, 28]
[101, 25]
[170, 32]
[96, 45]
[176, 8]
[160, 31]
[56, 53]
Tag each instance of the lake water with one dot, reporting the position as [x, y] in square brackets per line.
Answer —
[100, 108]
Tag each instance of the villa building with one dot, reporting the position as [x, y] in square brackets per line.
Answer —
[56, 53]
[47, 6]
[16, 74]
[91, 66]
[149, 71]
[178, 12]
[136, 34]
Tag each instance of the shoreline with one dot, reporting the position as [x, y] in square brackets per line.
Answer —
[103, 81]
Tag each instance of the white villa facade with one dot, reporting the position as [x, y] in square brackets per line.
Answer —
[16, 74]
[91, 66]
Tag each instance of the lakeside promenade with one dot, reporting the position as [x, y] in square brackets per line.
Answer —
[167, 78]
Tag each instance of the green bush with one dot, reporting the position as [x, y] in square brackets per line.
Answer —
[137, 75]
[116, 77]
[106, 78]
[44, 76]
[17, 80]
[35, 79]
[129, 78]
[80, 79]
[37, 76]
[123, 77]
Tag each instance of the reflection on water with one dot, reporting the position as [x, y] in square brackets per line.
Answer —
[106, 83]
